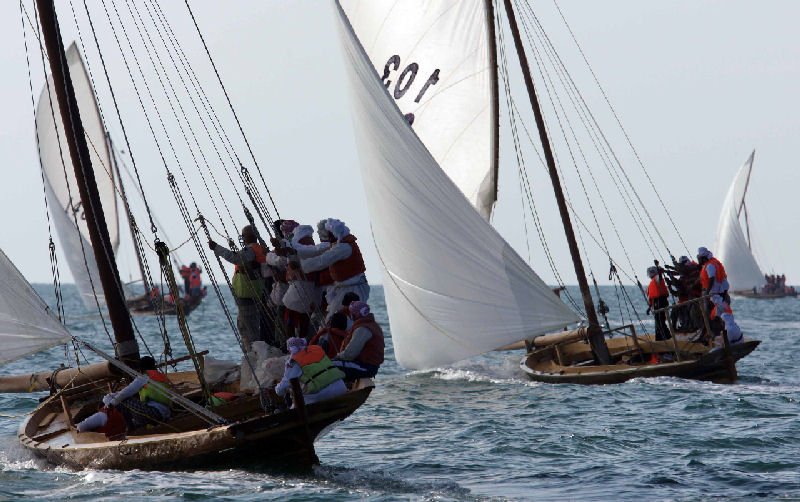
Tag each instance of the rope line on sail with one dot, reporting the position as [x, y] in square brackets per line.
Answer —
[619, 165]
[619, 122]
[594, 132]
[42, 53]
[525, 182]
[54, 270]
[230, 105]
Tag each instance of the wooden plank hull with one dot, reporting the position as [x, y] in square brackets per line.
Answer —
[141, 305]
[259, 437]
[700, 364]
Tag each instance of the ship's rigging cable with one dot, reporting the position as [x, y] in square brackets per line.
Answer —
[619, 122]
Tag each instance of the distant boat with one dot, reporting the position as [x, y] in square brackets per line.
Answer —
[64, 201]
[425, 100]
[733, 246]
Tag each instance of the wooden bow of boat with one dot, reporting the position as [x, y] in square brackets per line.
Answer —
[250, 434]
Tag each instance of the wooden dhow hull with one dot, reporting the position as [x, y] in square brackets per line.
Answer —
[252, 435]
[698, 363]
[141, 305]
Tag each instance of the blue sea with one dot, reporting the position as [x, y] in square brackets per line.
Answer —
[478, 430]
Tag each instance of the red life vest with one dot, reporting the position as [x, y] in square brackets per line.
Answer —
[372, 353]
[184, 271]
[657, 289]
[713, 314]
[254, 267]
[350, 266]
[155, 293]
[719, 273]
[115, 424]
[194, 278]
[335, 338]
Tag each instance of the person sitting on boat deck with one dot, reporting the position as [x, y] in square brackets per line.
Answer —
[247, 283]
[195, 283]
[722, 312]
[330, 337]
[344, 263]
[361, 353]
[143, 402]
[713, 278]
[319, 378]
[658, 298]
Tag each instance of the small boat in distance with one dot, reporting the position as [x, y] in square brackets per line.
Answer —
[734, 247]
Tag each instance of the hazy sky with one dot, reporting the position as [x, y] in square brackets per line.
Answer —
[697, 85]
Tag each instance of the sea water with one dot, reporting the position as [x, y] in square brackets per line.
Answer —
[479, 430]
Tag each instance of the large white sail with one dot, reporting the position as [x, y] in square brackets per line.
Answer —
[732, 248]
[436, 59]
[27, 325]
[454, 288]
[62, 191]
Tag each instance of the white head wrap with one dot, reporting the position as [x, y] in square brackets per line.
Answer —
[652, 272]
[301, 232]
[337, 228]
[322, 231]
[704, 252]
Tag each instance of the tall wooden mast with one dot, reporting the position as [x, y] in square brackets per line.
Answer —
[126, 348]
[596, 338]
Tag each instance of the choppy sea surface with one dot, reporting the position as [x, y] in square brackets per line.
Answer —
[478, 430]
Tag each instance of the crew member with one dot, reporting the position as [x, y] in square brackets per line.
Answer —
[723, 311]
[344, 263]
[303, 295]
[144, 401]
[658, 298]
[319, 378]
[361, 353]
[330, 337]
[195, 283]
[248, 285]
[713, 278]
[185, 273]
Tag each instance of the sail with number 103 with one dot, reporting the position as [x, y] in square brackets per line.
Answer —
[454, 287]
[60, 185]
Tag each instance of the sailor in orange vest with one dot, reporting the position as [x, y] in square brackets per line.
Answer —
[713, 278]
[344, 263]
[332, 336]
[319, 378]
[195, 283]
[143, 402]
[248, 283]
[723, 311]
[185, 272]
[658, 298]
[361, 353]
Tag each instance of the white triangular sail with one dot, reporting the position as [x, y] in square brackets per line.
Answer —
[732, 248]
[454, 288]
[27, 325]
[437, 59]
[75, 242]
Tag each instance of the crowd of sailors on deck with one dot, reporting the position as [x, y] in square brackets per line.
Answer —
[282, 293]
[700, 286]
[775, 284]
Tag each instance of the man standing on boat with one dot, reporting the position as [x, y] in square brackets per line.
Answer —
[344, 263]
[713, 278]
[247, 282]
[658, 298]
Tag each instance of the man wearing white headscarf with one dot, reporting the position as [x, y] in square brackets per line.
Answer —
[319, 378]
[343, 262]
[712, 276]
[303, 296]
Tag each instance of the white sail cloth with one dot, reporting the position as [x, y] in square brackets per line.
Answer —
[62, 191]
[732, 248]
[27, 325]
[436, 59]
[454, 288]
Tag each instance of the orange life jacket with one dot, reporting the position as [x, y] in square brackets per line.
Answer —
[719, 273]
[253, 269]
[372, 353]
[194, 279]
[350, 266]
[115, 424]
[713, 314]
[657, 289]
